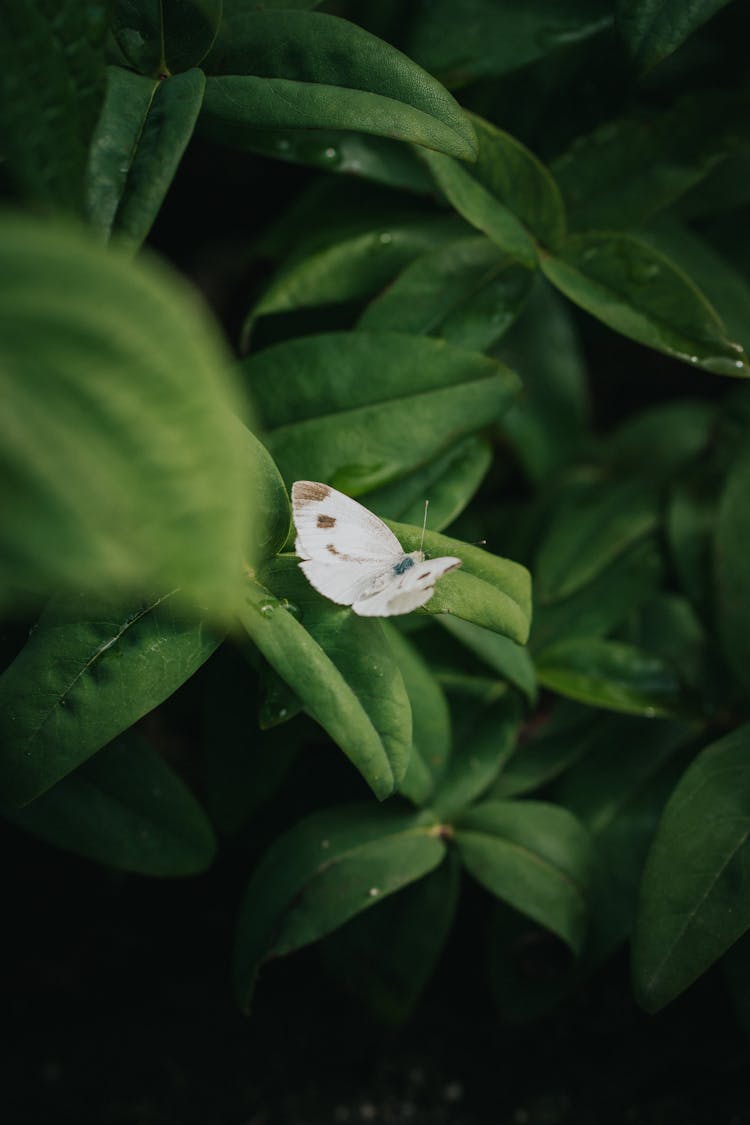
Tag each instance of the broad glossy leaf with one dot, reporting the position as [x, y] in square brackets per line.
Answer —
[611, 674]
[329, 867]
[534, 856]
[504, 656]
[359, 410]
[468, 292]
[635, 290]
[448, 482]
[593, 524]
[477, 38]
[668, 626]
[630, 168]
[726, 287]
[161, 37]
[618, 791]
[127, 809]
[352, 268]
[143, 130]
[120, 465]
[550, 421]
[660, 440]
[271, 518]
[305, 69]
[653, 29]
[695, 897]
[90, 669]
[549, 744]
[488, 590]
[386, 957]
[379, 159]
[431, 720]
[693, 507]
[51, 87]
[732, 580]
[507, 193]
[483, 745]
[339, 666]
[604, 602]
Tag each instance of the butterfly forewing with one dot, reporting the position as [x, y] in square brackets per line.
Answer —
[332, 527]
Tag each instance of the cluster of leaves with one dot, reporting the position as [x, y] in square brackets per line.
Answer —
[594, 782]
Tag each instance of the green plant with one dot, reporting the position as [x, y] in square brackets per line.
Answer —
[593, 781]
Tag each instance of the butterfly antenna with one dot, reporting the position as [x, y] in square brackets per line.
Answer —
[424, 524]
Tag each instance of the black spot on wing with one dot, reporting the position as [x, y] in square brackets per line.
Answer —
[326, 521]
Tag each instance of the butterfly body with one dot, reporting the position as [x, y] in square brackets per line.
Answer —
[351, 557]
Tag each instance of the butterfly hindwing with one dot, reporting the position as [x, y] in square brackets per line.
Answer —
[405, 592]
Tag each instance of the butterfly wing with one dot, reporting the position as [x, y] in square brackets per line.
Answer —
[334, 529]
[345, 550]
[405, 592]
[342, 582]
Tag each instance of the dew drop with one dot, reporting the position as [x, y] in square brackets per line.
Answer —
[374, 892]
[330, 153]
[385, 238]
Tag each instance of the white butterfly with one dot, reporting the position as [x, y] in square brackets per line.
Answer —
[351, 557]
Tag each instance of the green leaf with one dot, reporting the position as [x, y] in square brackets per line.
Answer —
[448, 482]
[271, 519]
[90, 669]
[126, 809]
[120, 465]
[638, 292]
[593, 525]
[329, 867]
[549, 422]
[51, 86]
[143, 130]
[726, 288]
[660, 440]
[358, 410]
[290, 69]
[503, 655]
[339, 666]
[610, 674]
[487, 590]
[630, 168]
[431, 721]
[618, 792]
[695, 897]
[351, 268]
[379, 159]
[534, 856]
[161, 37]
[508, 194]
[732, 581]
[668, 626]
[478, 38]
[550, 745]
[604, 602]
[386, 957]
[653, 29]
[468, 292]
[485, 743]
